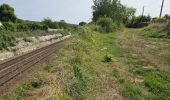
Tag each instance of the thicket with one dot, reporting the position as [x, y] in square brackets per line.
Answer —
[54, 24]
[112, 9]
[6, 40]
[106, 25]
[82, 23]
[138, 22]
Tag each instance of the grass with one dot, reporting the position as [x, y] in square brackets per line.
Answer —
[79, 68]
[155, 31]
[94, 66]
[131, 92]
[167, 57]
[145, 79]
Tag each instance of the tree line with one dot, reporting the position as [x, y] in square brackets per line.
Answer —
[111, 13]
[12, 23]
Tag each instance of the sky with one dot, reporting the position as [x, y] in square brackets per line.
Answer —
[75, 11]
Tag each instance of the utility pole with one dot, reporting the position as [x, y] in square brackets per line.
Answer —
[143, 11]
[161, 8]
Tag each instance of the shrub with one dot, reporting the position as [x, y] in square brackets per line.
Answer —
[159, 20]
[22, 27]
[6, 40]
[48, 68]
[82, 23]
[138, 22]
[108, 58]
[62, 24]
[9, 26]
[106, 24]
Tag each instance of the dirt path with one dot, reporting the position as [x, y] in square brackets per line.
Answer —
[149, 49]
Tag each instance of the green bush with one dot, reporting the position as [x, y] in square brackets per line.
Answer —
[6, 40]
[9, 26]
[159, 20]
[48, 68]
[108, 58]
[139, 21]
[82, 23]
[106, 24]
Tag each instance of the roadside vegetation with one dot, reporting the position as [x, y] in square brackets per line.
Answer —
[7, 39]
[117, 56]
[13, 28]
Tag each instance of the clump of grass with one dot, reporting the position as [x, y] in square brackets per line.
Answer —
[158, 83]
[79, 86]
[155, 31]
[131, 92]
[167, 58]
[48, 68]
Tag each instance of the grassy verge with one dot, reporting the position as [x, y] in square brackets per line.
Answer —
[97, 66]
[156, 31]
[82, 70]
[143, 79]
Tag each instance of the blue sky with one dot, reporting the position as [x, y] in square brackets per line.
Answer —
[74, 11]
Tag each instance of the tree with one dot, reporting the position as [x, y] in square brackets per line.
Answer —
[129, 14]
[167, 16]
[62, 24]
[7, 13]
[50, 24]
[82, 23]
[108, 8]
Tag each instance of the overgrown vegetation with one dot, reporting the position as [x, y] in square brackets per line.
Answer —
[106, 25]
[113, 9]
[6, 39]
[156, 31]
[138, 22]
[121, 65]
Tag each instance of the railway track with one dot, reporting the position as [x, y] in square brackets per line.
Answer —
[11, 68]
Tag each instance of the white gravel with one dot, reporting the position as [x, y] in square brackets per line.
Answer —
[25, 46]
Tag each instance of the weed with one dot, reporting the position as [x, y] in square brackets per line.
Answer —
[121, 80]
[61, 96]
[79, 86]
[79, 76]
[108, 58]
[48, 68]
